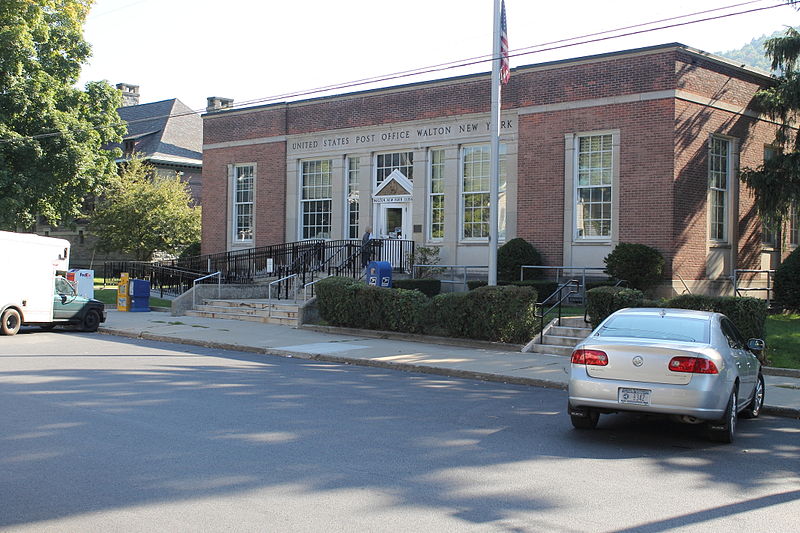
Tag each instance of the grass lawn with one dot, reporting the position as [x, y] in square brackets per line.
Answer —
[109, 296]
[783, 340]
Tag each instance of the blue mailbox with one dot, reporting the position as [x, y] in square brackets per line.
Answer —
[379, 273]
[140, 295]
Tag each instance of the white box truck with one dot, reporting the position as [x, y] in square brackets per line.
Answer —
[31, 292]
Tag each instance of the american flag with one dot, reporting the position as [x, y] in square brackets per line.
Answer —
[505, 69]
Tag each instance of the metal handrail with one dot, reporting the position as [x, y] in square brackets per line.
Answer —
[306, 286]
[219, 286]
[738, 290]
[563, 269]
[278, 282]
[454, 269]
[540, 305]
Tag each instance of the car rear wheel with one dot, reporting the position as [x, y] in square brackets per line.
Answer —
[753, 409]
[583, 417]
[10, 322]
[724, 429]
[91, 321]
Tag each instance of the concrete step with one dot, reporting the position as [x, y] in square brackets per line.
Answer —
[244, 317]
[254, 304]
[284, 312]
[574, 322]
[558, 340]
[551, 349]
[576, 333]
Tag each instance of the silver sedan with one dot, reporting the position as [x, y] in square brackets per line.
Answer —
[692, 365]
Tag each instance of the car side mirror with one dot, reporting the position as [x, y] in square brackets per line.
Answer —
[755, 345]
[63, 298]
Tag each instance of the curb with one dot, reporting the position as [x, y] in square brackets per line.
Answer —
[785, 412]
[413, 337]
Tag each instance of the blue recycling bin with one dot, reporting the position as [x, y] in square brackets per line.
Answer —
[140, 295]
[379, 273]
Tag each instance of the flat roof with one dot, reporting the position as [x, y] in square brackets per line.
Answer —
[533, 66]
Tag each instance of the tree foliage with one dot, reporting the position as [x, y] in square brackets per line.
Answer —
[141, 213]
[51, 134]
[776, 183]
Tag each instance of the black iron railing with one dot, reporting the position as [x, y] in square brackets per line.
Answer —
[554, 301]
[167, 281]
[305, 259]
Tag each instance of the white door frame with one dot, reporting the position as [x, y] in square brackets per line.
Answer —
[380, 211]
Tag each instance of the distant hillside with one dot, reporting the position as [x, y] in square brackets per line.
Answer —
[752, 54]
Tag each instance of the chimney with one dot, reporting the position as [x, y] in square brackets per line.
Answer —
[130, 94]
[216, 103]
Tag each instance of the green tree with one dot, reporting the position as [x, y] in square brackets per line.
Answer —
[51, 134]
[776, 183]
[141, 213]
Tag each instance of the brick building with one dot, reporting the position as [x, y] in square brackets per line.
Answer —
[639, 146]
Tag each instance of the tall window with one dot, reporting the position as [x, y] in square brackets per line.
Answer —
[793, 227]
[315, 199]
[386, 163]
[718, 180]
[436, 195]
[475, 192]
[243, 202]
[594, 167]
[353, 174]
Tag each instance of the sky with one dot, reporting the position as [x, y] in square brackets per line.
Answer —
[271, 50]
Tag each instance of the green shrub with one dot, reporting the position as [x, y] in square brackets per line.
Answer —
[544, 288]
[428, 287]
[787, 282]
[512, 255]
[426, 255]
[447, 315]
[602, 301]
[345, 302]
[749, 314]
[638, 264]
[504, 314]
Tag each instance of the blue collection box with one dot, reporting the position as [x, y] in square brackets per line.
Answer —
[140, 295]
[379, 273]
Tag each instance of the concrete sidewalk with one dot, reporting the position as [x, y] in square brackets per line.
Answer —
[456, 358]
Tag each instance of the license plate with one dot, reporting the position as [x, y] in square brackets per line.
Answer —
[633, 396]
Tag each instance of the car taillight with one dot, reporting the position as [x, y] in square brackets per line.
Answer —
[694, 365]
[590, 357]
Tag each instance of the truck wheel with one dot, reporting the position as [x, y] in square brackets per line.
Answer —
[10, 322]
[91, 321]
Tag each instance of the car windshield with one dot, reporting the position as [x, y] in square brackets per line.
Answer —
[685, 329]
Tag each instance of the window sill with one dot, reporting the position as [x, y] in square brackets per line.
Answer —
[590, 242]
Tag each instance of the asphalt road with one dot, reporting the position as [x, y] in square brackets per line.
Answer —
[107, 434]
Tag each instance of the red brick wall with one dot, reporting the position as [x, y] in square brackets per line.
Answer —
[645, 173]
[694, 124]
[270, 194]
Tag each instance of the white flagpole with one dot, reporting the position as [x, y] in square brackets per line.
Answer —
[494, 161]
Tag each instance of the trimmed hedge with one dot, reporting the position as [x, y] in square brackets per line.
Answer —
[749, 314]
[503, 314]
[787, 282]
[347, 303]
[543, 287]
[514, 254]
[638, 264]
[428, 287]
[602, 301]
